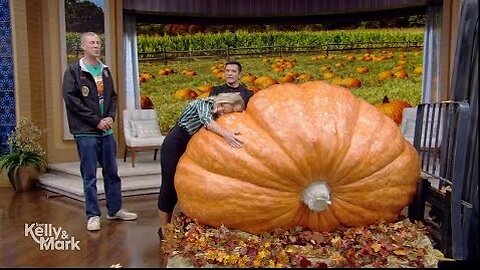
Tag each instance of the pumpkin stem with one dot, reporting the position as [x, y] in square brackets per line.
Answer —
[317, 196]
[385, 100]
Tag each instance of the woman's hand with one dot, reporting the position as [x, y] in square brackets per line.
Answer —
[231, 138]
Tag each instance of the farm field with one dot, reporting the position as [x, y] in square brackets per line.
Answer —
[371, 75]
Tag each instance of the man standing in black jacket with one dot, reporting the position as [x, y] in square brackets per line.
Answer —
[233, 69]
[91, 103]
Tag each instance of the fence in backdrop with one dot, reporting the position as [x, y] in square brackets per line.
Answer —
[229, 52]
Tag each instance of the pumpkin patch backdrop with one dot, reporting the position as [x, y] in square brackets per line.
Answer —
[314, 155]
[370, 74]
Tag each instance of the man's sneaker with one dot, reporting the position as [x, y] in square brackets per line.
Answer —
[93, 223]
[123, 215]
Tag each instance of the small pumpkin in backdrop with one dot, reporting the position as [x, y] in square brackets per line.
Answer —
[321, 159]
[146, 102]
[393, 109]
[264, 82]
[186, 93]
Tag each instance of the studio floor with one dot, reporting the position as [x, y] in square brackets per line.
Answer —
[118, 243]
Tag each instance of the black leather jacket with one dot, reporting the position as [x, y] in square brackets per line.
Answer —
[81, 99]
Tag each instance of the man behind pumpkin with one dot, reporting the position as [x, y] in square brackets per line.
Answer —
[233, 69]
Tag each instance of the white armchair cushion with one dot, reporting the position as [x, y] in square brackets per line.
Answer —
[145, 128]
[133, 129]
[143, 142]
[138, 134]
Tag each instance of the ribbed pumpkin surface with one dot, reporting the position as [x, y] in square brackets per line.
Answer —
[294, 136]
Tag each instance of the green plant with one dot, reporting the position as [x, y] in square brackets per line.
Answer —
[24, 150]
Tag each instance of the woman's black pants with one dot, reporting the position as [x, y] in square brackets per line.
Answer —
[173, 147]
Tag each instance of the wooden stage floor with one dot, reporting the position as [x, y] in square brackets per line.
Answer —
[126, 243]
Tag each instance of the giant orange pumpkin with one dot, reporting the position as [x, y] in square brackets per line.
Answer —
[314, 155]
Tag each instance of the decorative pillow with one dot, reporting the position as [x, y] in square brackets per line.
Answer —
[145, 128]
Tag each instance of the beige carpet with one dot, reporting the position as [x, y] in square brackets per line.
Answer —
[65, 179]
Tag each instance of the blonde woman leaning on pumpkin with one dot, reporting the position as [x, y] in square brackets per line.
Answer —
[198, 113]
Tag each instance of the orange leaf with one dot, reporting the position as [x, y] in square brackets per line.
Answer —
[376, 247]
[400, 252]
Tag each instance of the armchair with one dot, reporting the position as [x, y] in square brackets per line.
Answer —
[141, 131]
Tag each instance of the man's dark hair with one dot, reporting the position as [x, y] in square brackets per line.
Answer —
[235, 63]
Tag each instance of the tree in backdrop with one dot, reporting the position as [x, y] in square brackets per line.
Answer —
[83, 16]
[184, 29]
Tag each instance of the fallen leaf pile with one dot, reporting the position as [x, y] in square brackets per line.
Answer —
[400, 244]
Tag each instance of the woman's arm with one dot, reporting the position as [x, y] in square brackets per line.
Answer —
[204, 111]
[229, 136]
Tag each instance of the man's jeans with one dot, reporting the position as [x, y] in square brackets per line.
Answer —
[101, 149]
